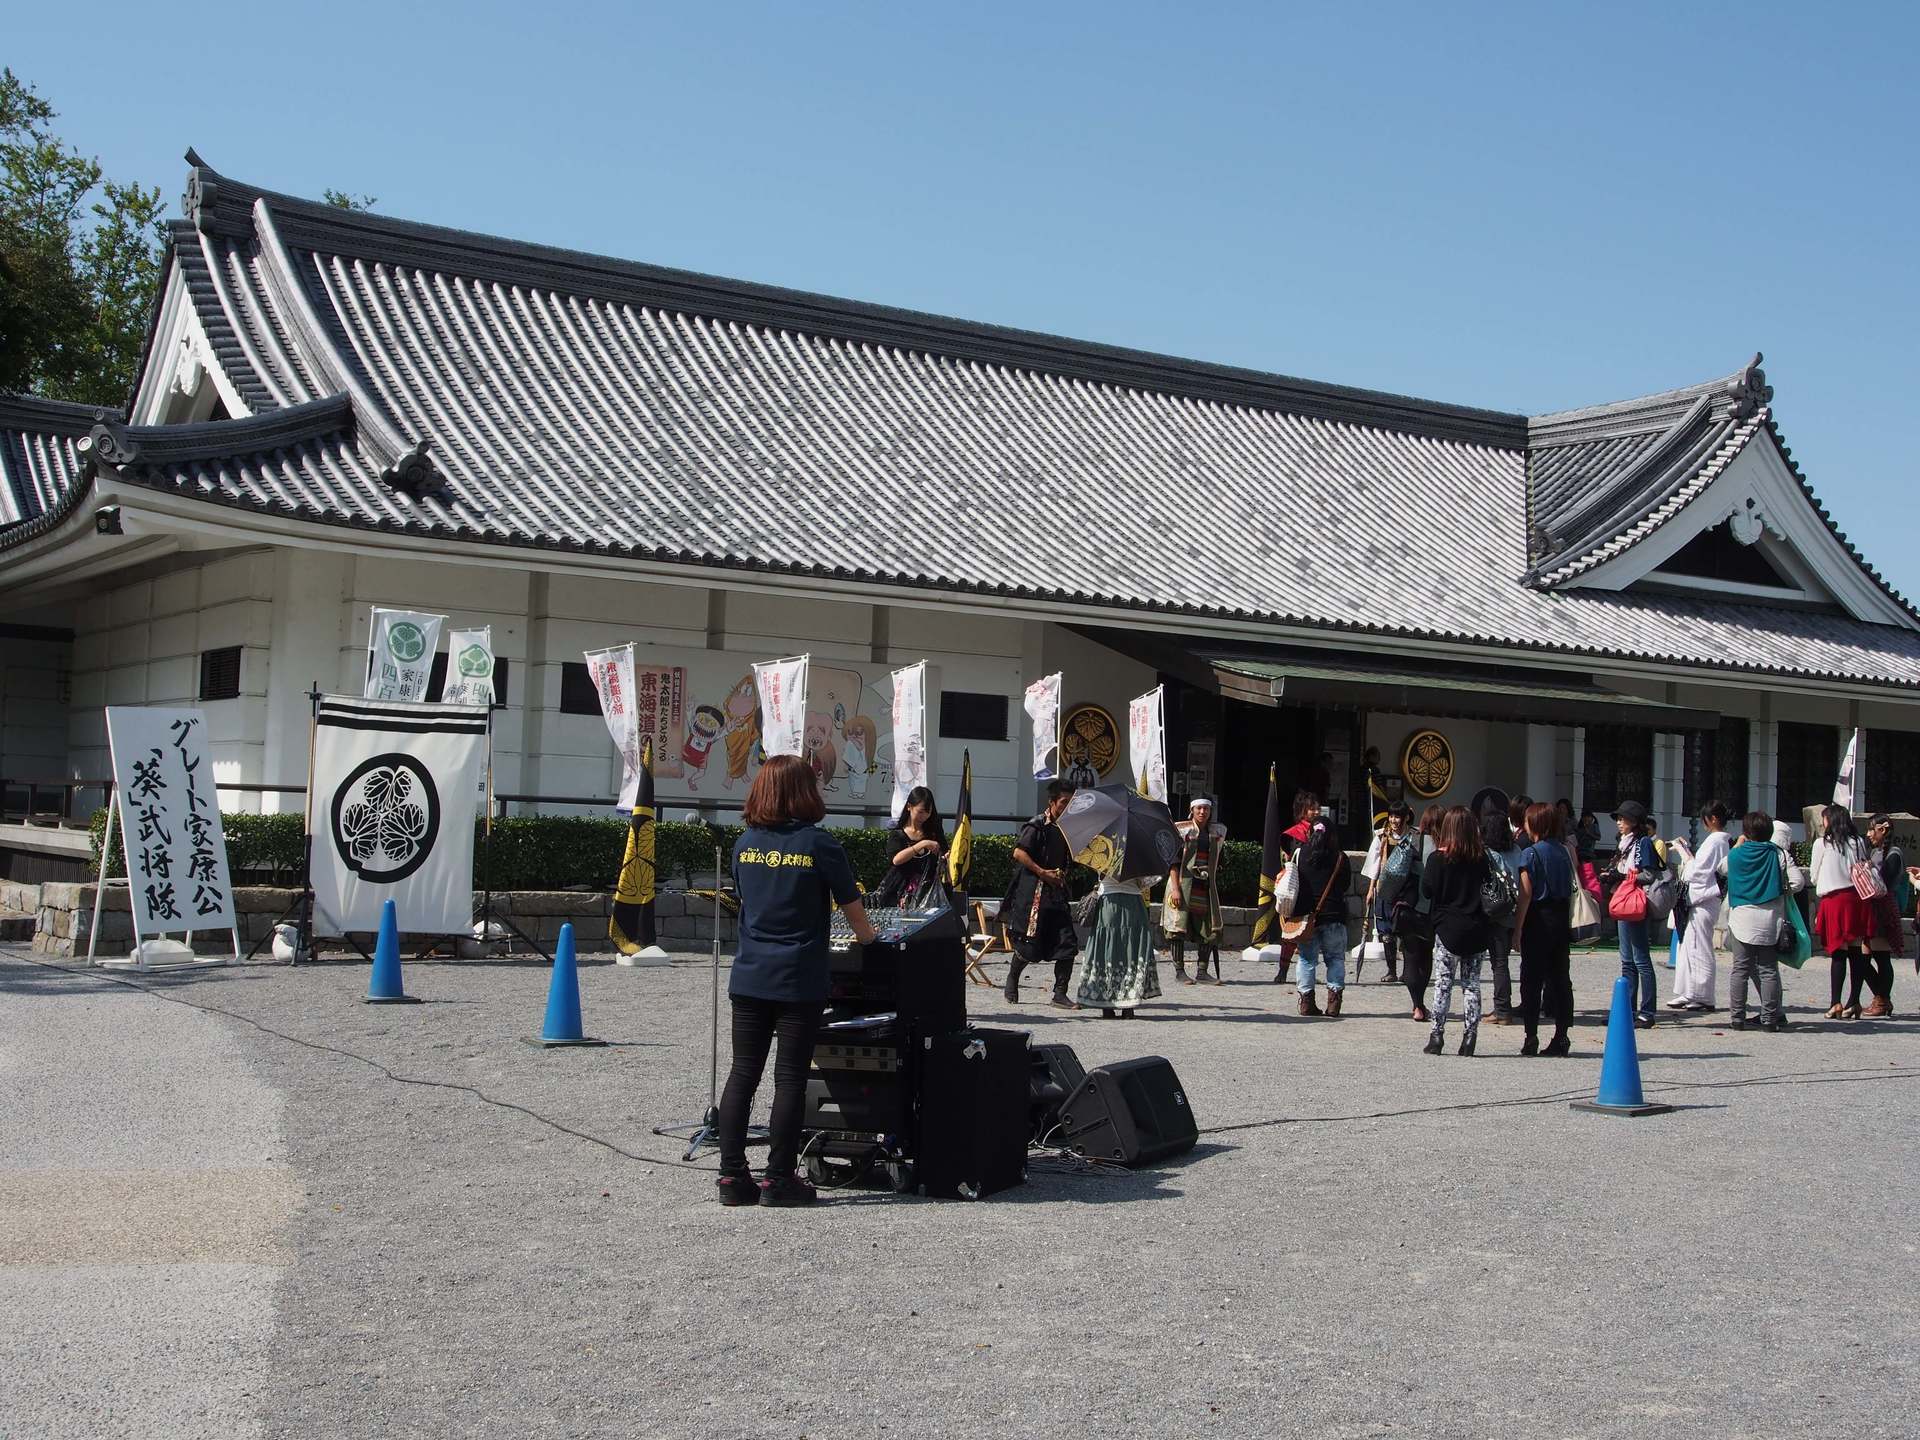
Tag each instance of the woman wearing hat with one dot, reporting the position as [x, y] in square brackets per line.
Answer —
[1636, 863]
[1193, 898]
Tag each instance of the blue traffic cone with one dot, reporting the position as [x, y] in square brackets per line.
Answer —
[384, 986]
[563, 1025]
[1620, 1092]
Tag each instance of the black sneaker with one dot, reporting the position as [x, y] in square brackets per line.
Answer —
[736, 1187]
[1775, 1025]
[1643, 1022]
[1740, 1022]
[786, 1190]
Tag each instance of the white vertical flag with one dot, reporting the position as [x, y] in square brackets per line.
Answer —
[469, 667]
[1147, 743]
[169, 820]
[783, 705]
[1043, 708]
[612, 672]
[401, 645]
[1849, 788]
[909, 732]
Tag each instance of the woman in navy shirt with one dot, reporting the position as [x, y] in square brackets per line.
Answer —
[1542, 926]
[789, 874]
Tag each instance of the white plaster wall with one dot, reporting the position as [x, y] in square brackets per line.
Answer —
[1469, 741]
[1090, 674]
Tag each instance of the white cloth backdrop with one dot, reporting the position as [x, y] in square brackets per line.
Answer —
[395, 789]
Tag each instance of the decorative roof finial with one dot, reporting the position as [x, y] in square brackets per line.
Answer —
[413, 474]
[202, 191]
[107, 444]
[1749, 389]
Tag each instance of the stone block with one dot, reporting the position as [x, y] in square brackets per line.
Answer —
[262, 899]
[558, 902]
[679, 927]
[587, 929]
[669, 902]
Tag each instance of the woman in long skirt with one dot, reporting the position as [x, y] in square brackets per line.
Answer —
[1118, 969]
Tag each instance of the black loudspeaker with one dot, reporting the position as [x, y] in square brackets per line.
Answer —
[1134, 1113]
[972, 1132]
[1056, 1073]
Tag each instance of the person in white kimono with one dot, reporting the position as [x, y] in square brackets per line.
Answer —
[1694, 974]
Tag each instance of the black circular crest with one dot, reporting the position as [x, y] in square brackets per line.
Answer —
[386, 816]
[1167, 842]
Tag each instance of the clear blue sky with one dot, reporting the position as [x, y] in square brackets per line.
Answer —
[1526, 207]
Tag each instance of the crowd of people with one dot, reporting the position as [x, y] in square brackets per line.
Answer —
[1449, 896]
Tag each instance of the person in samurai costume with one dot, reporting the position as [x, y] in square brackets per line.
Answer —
[1038, 918]
[1193, 894]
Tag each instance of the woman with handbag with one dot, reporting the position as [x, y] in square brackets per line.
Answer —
[1888, 912]
[1399, 854]
[1320, 930]
[1843, 923]
[1543, 930]
[1761, 882]
[1462, 933]
[1636, 867]
[1306, 810]
[1413, 915]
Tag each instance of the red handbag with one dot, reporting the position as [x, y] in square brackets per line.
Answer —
[1628, 901]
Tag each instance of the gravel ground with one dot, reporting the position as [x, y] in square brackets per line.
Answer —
[507, 1250]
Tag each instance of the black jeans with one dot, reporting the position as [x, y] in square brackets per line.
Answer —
[1546, 977]
[1499, 949]
[755, 1024]
[1416, 963]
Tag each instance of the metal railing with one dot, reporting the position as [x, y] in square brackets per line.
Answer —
[20, 800]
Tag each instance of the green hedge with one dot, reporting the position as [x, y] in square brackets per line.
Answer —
[562, 852]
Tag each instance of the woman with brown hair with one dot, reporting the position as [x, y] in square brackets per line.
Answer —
[1462, 933]
[1542, 930]
[789, 874]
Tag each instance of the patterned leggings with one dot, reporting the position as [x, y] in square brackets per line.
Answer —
[1450, 970]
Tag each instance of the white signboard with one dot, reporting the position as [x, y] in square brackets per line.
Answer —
[401, 645]
[469, 667]
[169, 813]
[395, 788]
[1147, 743]
[1042, 705]
[782, 685]
[612, 672]
[909, 732]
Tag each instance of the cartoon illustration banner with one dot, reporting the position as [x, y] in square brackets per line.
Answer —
[612, 674]
[170, 820]
[469, 667]
[1147, 743]
[395, 788]
[782, 686]
[1043, 708]
[909, 732]
[401, 645]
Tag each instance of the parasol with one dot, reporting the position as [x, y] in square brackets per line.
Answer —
[1120, 833]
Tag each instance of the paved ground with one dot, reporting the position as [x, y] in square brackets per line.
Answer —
[252, 1222]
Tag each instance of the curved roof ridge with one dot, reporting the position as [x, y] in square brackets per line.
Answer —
[112, 443]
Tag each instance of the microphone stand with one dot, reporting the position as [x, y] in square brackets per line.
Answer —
[705, 1132]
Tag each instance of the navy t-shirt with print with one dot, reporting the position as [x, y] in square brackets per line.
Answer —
[789, 878]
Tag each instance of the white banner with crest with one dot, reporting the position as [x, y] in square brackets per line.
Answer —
[469, 667]
[401, 645]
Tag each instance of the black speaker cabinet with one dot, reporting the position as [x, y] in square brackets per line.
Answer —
[1133, 1113]
[1056, 1073]
[971, 1139]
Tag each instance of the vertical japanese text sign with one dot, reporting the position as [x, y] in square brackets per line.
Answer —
[169, 820]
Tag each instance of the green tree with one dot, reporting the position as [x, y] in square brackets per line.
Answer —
[341, 200]
[79, 261]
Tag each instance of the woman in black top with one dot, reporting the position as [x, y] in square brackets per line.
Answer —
[1462, 932]
[1325, 878]
[1413, 917]
[789, 874]
[914, 847]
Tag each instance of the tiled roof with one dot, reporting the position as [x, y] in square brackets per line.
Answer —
[579, 403]
[39, 461]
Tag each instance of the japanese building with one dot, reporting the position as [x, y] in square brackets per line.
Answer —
[337, 409]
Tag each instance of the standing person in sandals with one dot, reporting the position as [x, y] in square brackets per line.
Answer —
[1039, 921]
[1399, 869]
[915, 845]
[1496, 812]
[1306, 810]
[1888, 911]
[1193, 893]
[1693, 976]
[1636, 863]
[1542, 930]
[1325, 877]
[1843, 923]
[1761, 882]
[789, 874]
[1413, 916]
[1118, 970]
[1462, 933]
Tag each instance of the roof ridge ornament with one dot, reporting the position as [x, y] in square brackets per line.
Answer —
[414, 475]
[1749, 389]
[202, 191]
[108, 443]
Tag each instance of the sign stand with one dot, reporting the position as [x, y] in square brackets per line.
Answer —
[484, 917]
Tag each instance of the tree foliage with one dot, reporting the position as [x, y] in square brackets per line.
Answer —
[341, 200]
[79, 260]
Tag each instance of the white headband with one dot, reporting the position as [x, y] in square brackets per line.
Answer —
[1198, 802]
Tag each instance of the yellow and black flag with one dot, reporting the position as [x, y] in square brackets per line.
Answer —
[631, 926]
[960, 852]
[1273, 856]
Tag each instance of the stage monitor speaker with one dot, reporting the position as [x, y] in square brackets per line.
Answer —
[1135, 1113]
[971, 1139]
[1056, 1074]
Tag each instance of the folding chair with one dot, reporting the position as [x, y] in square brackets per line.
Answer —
[988, 937]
